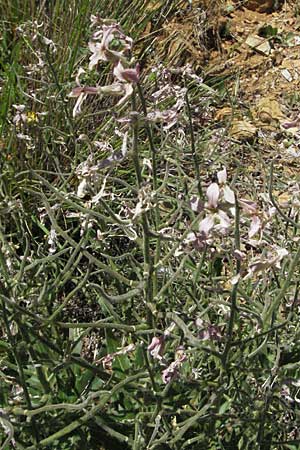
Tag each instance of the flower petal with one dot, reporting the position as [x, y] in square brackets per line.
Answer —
[255, 226]
[79, 73]
[128, 91]
[207, 224]
[248, 206]
[98, 54]
[224, 221]
[196, 204]
[229, 195]
[129, 75]
[77, 107]
[213, 193]
[156, 347]
[222, 176]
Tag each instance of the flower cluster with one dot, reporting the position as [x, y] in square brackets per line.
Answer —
[172, 371]
[219, 197]
[216, 221]
[156, 350]
[104, 48]
[218, 212]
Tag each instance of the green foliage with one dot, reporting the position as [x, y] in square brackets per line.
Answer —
[145, 303]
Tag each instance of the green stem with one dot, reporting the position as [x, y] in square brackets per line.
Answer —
[276, 303]
[39, 370]
[148, 263]
[154, 185]
[90, 414]
[73, 243]
[99, 324]
[19, 365]
[233, 297]
[193, 145]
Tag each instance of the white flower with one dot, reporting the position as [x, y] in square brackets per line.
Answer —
[101, 50]
[216, 218]
[212, 193]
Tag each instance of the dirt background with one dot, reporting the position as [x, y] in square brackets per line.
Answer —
[253, 47]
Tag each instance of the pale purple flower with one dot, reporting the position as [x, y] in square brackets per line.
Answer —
[172, 371]
[128, 75]
[250, 208]
[80, 99]
[77, 91]
[255, 226]
[228, 193]
[216, 219]
[123, 90]
[127, 91]
[100, 50]
[222, 221]
[208, 331]
[98, 53]
[156, 347]
[81, 93]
